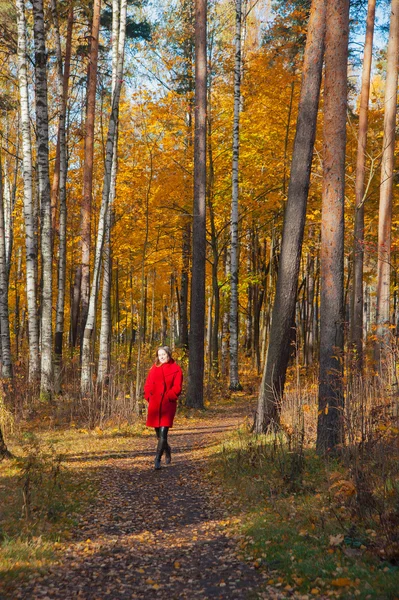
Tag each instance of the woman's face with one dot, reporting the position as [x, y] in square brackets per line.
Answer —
[163, 356]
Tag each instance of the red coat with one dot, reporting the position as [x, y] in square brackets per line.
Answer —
[163, 386]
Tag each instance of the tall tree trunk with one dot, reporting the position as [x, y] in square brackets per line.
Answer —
[88, 164]
[329, 425]
[46, 381]
[9, 198]
[259, 299]
[195, 392]
[183, 313]
[63, 81]
[275, 367]
[214, 344]
[225, 317]
[112, 127]
[6, 363]
[387, 166]
[233, 321]
[144, 283]
[104, 359]
[356, 333]
[29, 213]
[310, 294]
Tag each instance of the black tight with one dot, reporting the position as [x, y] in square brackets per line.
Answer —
[162, 433]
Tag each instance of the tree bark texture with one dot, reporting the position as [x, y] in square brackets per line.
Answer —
[184, 284]
[358, 248]
[88, 163]
[275, 367]
[329, 426]
[104, 358]
[110, 146]
[233, 320]
[63, 81]
[29, 216]
[195, 390]
[6, 363]
[386, 186]
[46, 380]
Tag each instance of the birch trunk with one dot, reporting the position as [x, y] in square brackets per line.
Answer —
[112, 127]
[9, 198]
[195, 391]
[275, 367]
[386, 190]
[356, 333]
[104, 359]
[233, 319]
[63, 80]
[29, 214]
[225, 318]
[46, 382]
[330, 418]
[4, 320]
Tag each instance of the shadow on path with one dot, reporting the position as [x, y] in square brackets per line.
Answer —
[151, 534]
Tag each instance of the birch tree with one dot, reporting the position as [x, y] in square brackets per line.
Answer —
[386, 190]
[329, 426]
[233, 320]
[110, 145]
[46, 381]
[62, 82]
[195, 392]
[275, 367]
[4, 320]
[104, 358]
[29, 220]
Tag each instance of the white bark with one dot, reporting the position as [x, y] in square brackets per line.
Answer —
[4, 322]
[46, 379]
[233, 322]
[112, 127]
[62, 83]
[30, 232]
[104, 358]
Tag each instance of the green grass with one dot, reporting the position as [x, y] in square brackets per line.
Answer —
[291, 524]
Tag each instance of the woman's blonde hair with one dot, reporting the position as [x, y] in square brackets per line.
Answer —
[165, 349]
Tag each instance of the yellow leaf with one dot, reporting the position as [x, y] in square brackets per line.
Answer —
[341, 582]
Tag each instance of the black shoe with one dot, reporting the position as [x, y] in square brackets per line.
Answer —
[168, 454]
[157, 464]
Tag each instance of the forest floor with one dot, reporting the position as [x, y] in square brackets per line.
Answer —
[147, 534]
[84, 515]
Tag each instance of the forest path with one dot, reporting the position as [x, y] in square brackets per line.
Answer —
[155, 534]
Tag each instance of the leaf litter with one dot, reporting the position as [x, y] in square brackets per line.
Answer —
[155, 534]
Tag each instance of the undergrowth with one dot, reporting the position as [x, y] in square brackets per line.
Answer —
[41, 498]
[304, 520]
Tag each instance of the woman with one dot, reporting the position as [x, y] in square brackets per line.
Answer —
[161, 390]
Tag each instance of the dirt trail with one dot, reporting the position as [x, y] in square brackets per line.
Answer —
[154, 534]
